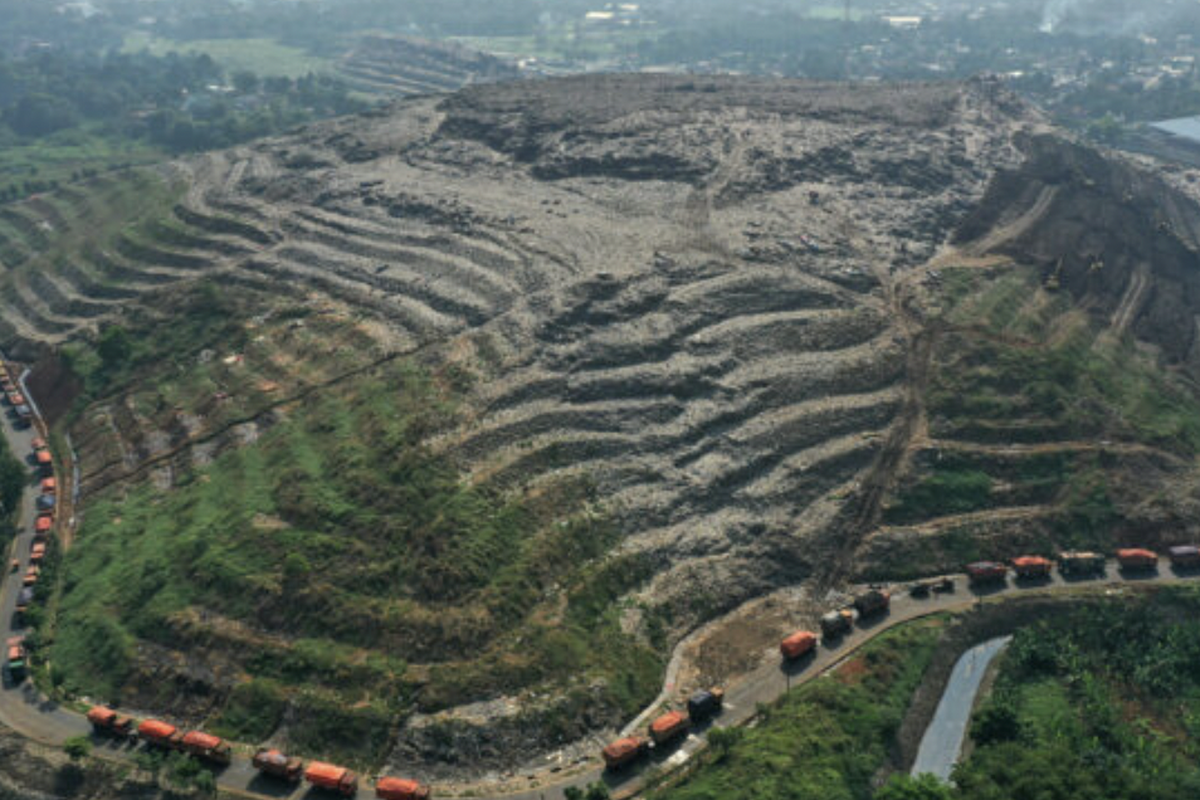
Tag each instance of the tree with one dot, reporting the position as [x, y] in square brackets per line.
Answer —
[40, 115]
[77, 747]
[996, 722]
[906, 787]
[114, 347]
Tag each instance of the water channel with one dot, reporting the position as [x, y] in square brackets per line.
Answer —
[943, 739]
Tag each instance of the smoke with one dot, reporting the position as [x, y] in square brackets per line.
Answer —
[1055, 12]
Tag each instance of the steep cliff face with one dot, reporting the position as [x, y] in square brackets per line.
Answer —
[1124, 242]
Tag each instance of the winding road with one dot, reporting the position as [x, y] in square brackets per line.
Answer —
[25, 710]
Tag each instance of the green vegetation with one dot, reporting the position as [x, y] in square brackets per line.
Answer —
[69, 115]
[825, 740]
[77, 747]
[259, 56]
[337, 562]
[943, 492]
[1101, 702]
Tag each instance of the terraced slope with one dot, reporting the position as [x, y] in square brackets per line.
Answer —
[679, 341]
[402, 66]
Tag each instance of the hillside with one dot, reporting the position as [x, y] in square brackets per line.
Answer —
[423, 435]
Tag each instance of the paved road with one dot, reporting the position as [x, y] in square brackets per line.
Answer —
[26, 711]
[943, 739]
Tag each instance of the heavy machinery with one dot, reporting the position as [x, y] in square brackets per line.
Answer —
[669, 727]
[37, 553]
[16, 658]
[938, 585]
[625, 751]
[837, 623]
[331, 777]
[1137, 558]
[1184, 555]
[274, 763]
[798, 644]
[43, 525]
[1031, 567]
[984, 572]
[705, 703]
[206, 746]
[49, 485]
[105, 720]
[31, 575]
[157, 733]
[24, 601]
[872, 601]
[1077, 563]
[400, 789]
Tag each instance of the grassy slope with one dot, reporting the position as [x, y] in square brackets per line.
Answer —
[1016, 364]
[1102, 702]
[335, 565]
[825, 740]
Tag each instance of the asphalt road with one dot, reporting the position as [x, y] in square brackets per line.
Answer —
[25, 710]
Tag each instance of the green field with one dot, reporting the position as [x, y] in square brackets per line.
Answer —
[61, 157]
[264, 57]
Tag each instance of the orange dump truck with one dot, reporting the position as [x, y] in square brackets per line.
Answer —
[1031, 566]
[986, 572]
[669, 727]
[331, 777]
[105, 720]
[1137, 558]
[206, 746]
[273, 762]
[49, 485]
[400, 789]
[44, 459]
[625, 751]
[160, 734]
[37, 553]
[798, 644]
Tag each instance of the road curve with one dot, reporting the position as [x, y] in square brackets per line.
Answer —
[28, 712]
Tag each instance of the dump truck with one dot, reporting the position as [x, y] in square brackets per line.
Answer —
[15, 398]
[1184, 555]
[331, 777]
[37, 444]
[1137, 558]
[1076, 563]
[923, 588]
[981, 572]
[157, 733]
[43, 459]
[15, 658]
[1031, 566]
[37, 553]
[43, 525]
[206, 746]
[798, 644]
[105, 720]
[705, 703]
[45, 502]
[49, 485]
[624, 751]
[669, 727]
[31, 575]
[873, 601]
[836, 623]
[400, 789]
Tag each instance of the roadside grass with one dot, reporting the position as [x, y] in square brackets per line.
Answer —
[264, 57]
[825, 740]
